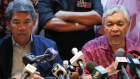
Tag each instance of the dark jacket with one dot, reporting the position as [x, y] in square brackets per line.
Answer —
[38, 47]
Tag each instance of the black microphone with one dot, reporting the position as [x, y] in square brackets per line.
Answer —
[90, 66]
[134, 65]
[49, 54]
[135, 53]
[68, 68]
[97, 72]
[58, 71]
[120, 64]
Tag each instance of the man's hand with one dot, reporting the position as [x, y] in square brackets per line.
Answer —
[35, 76]
[111, 69]
[88, 77]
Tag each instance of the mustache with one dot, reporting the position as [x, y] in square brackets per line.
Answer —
[22, 33]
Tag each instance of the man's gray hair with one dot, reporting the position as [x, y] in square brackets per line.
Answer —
[114, 9]
[20, 6]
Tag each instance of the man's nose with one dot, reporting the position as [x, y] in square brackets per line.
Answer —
[22, 28]
[115, 28]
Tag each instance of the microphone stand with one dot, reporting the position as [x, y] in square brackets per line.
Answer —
[126, 76]
[61, 76]
[80, 72]
[68, 74]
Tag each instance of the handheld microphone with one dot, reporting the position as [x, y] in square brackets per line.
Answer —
[78, 60]
[119, 61]
[68, 68]
[29, 71]
[120, 64]
[58, 71]
[49, 54]
[134, 65]
[135, 53]
[121, 51]
[52, 52]
[97, 72]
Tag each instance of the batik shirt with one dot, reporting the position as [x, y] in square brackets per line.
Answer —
[99, 50]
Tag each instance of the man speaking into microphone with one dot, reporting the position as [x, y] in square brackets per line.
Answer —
[20, 19]
[116, 22]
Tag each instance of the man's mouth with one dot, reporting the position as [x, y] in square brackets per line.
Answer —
[114, 36]
[22, 34]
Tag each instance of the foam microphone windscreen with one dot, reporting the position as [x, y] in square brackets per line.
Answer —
[74, 75]
[90, 66]
[130, 56]
[121, 50]
[117, 55]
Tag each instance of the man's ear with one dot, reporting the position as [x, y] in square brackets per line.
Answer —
[34, 22]
[103, 27]
[128, 25]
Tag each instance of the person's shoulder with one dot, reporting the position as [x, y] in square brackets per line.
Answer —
[131, 42]
[43, 39]
[98, 40]
[4, 39]
[95, 43]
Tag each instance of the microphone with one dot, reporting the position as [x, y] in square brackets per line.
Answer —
[58, 71]
[68, 68]
[29, 71]
[134, 65]
[97, 72]
[135, 53]
[49, 54]
[74, 75]
[120, 64]
[121, 51]
[78, 60]
[52, 52]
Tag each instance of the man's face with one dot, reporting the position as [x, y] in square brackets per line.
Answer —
[21, 25]
[115, 27]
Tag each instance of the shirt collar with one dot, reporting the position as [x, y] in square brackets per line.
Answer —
[106, 45]
[16, 44]
[129, 45]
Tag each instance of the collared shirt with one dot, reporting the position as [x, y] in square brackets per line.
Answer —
[99, 50]
[18, 53]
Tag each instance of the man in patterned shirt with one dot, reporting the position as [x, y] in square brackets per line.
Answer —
[116, 22]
